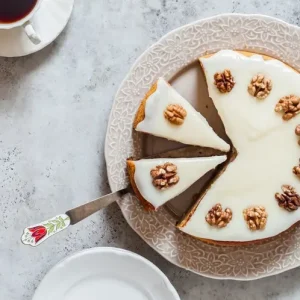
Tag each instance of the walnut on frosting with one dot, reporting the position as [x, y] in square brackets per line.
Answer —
[224, 81]
[255, 217]
[260, 86]
[296, 169]
[164, 176]
[175, 114]
[289, 199]
[218, 217]
[297, 130]
[289, 105]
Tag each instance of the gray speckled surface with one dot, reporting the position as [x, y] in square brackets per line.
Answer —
[54, 107]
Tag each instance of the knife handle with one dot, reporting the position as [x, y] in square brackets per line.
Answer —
[36, 234]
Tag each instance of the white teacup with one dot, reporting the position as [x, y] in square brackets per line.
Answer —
[26, 24]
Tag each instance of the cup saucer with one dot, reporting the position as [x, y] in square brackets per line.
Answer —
[49, 21]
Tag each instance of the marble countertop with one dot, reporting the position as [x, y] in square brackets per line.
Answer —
[54, 108]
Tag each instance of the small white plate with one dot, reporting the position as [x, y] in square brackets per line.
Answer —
[49, 21]
[108, 274]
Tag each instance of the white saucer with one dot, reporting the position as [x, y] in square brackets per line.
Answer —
[49, 22]
[108, 274]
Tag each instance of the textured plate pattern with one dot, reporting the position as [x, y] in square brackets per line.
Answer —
[177, 49]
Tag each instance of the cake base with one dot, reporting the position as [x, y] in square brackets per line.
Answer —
[140, 115]
[131, 171]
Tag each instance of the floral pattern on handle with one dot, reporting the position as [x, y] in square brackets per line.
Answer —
[36, 234]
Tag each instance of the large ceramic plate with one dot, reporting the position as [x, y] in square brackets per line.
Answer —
[174, 57]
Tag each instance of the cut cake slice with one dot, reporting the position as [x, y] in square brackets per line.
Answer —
[156, 181]
[156, 116]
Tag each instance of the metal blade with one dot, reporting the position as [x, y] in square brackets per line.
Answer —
[81, 212]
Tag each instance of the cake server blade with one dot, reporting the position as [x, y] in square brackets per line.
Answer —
[81, 212]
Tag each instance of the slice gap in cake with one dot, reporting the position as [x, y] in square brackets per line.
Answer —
[165, 113]
[156, 181]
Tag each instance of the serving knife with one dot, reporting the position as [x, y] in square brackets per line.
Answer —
[36, 234]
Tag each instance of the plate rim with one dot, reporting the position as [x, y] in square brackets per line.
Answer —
[106, 150]
[108, 250]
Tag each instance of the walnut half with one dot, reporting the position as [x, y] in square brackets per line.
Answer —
[218, 217]
[297, 130]
[296, 169]
[175, 114]
[289, 199]
[255, 217]
[224, 81]
[164, 176]
[260, 86]
[289, 105]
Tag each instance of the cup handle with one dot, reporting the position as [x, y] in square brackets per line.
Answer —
[32, 35]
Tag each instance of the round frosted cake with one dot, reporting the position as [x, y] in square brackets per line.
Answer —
[254, 195]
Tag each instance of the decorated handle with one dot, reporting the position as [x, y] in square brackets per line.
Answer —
[36, 234]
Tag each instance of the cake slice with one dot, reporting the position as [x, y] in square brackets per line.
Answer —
[165, 113]
[156, 181]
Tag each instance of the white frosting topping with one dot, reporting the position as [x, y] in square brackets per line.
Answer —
[267, 148]
[189, 170]
[194, 131]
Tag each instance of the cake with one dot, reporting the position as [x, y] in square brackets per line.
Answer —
[255, 197]
[156, 181]
[165, 113]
